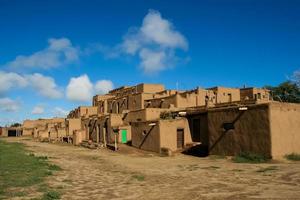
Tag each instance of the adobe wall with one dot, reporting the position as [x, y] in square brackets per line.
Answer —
[222, 94]
[168, 133]
[193, 98]
[150, 88]
[285, 128]
[136, 101]
[254, 94]
[162, 102]
[77, 137]
[4, 132]
[30, 125]
[61, 132]
[87, 110]
[139, 130]
[251, 132]
[42, 134]
[95, 127]
[72, 125]
[147, 114]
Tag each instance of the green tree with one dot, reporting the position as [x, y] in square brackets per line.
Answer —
[286, 92]
[16, 125]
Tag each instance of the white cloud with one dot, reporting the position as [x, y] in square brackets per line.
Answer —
[80, 89]
[59, 52]
[59, 112]
[9, 105]
[11, 80]
[156, 37]
[161, 31]
[38, 110]
[152, 61]
[44, 85]
[103, 86]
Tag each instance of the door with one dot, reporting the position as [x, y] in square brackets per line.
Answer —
[124, 136]
[180, 138]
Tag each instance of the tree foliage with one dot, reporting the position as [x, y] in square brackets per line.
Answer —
[16, 125]
[286, 92]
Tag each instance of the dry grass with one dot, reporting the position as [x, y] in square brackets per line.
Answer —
[104, 174]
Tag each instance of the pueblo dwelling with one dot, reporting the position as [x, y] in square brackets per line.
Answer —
[216, 120]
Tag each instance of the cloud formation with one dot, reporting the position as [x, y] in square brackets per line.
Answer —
[58, 53]
[155, 42]
[44, 85]
[103, 86]
[9, 105]
[82, 89]
[37, 110]
[11, 80]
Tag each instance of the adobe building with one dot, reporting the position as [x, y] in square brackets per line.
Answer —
[45, 128]
[82, 111]
[215, 120]
[11, 131]
[271, 129]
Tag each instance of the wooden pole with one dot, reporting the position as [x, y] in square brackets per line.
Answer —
[116, 147]
[104, 136]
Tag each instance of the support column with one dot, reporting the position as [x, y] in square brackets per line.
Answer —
[97, 133]
[104, 136]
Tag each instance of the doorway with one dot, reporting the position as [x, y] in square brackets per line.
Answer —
[180, 138]
[12, 133]
[198, 124]
[124, 136]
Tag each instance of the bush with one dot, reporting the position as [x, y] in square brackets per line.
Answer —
[293, 156]
[51, 195]
[54, 167]
[138, 177]
[248, 157]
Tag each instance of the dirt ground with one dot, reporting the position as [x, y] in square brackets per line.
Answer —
[133, 174]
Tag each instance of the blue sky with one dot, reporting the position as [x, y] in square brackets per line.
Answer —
[54, 55]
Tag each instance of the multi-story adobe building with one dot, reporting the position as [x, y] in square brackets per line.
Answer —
[215, 120]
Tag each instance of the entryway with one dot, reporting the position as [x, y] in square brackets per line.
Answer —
[124, 136]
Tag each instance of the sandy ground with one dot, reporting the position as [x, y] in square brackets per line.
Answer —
[132, 174]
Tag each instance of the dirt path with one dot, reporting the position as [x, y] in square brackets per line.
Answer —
[103, 174]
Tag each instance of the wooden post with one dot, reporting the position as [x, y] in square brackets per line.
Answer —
[87, 132]
[116, 147]
[104, 136]
[97, 133]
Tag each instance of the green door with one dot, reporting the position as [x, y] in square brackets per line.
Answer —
[124, 136]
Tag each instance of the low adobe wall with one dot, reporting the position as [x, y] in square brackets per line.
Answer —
[168, 133]
[139, 130]
[251, 131]
[162, 135]
[72, 125]
[285, 128]
[147, 114]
